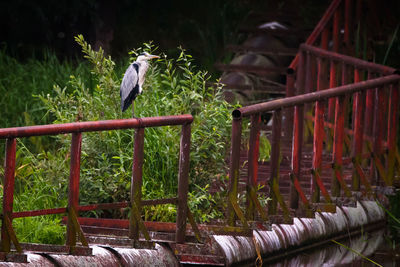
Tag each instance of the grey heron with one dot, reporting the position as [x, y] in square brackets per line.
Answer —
[133, 80]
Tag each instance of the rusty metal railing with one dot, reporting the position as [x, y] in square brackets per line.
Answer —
[336, 32]
[76, 129]
[377, 97]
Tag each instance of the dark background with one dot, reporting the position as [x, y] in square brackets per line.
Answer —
[203, 27]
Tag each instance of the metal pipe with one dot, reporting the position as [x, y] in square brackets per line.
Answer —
[288, 129]
[73, 188]
[357, 63]
[377, 130]
[314, 96]
[183, 183]
[392, 130]
[319, 28]
[338, 141]
[8, 193]
[89, 126]
[234, 165]
[297, 142]
[358, 117]
[136, 183]
[275, 159]
[253, 154]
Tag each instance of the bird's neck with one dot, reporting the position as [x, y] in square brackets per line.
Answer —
[144, 65]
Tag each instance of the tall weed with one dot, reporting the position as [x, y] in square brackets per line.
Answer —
[173, 86]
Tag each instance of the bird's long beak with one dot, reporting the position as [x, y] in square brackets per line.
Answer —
[153, 56]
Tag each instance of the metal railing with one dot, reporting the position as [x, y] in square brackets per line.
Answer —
[72, 210]
[329, 132]
[337, 32]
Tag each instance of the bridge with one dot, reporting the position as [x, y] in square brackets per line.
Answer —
[334, 155]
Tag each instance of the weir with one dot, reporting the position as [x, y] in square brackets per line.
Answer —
[334, 158]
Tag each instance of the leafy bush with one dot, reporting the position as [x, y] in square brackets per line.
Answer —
[173, 86]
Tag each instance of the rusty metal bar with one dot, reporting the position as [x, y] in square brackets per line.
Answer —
[33, 213]
[183, 183]
[288, 129]
[136, 184]
[332, 84]
[315, 96]
[253, 154]
[357, 63]
[319, 28]
[325, 38]
[377, 130]
[338, 142]
[369, 107]
[392, 131]
[76, 127]
[358, 116]
[319, 134]
[99, 206]
[275, 162]
[234, 165]
[8, 193]
[73, 188]
[298, 132]
[347, 25]
[336, 30]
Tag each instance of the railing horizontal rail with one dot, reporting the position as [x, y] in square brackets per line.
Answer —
[90, 207]
[355, 62]
[322, 24]
[91, 126]
[135, 204]
[314, 96]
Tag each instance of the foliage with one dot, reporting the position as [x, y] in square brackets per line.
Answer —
[173, 86]
[35, 191]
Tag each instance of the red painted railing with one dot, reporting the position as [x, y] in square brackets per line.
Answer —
[336, 32]
[136, 202]
[371, 122]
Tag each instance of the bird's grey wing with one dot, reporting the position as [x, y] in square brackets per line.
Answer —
[128, 85]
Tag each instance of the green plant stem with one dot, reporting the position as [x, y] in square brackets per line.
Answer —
[355, 252]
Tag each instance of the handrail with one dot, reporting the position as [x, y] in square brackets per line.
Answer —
[90, 126]
[355, 62]
[314, 96]
[376, 97]
[136, 202]
[319, 28]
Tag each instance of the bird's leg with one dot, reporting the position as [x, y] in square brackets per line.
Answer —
[133, 109]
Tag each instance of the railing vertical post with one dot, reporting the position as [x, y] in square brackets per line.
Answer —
[136, 184]
[369, 107]
[338, 146]
[275, 162]
[253, 153]
[325, 38]
[332, 78]
[392, 130]
[310, 65]
[290, 91]
[234, 167]
[358, 114]
[377, 131]
[183, 183]
[73, 189]
[297, 142]
[347, 26]
[8, 192]
[319, 134]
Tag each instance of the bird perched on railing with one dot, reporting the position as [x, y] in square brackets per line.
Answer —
[133, 80]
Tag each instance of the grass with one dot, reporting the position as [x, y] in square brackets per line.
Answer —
[89, 90]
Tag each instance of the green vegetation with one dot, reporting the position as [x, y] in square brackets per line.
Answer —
[173, 86]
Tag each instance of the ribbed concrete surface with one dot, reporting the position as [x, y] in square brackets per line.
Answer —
[303, 232]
